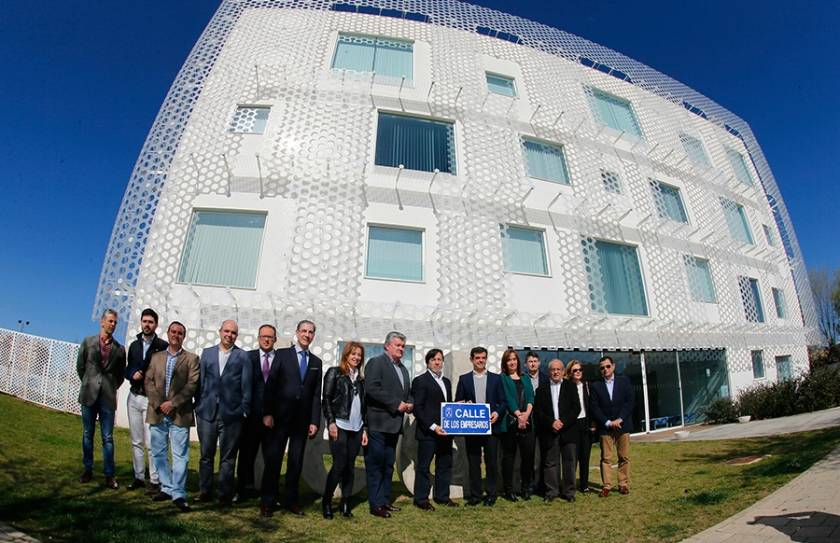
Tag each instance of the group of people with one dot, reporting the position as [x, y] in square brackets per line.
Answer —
[273, 399]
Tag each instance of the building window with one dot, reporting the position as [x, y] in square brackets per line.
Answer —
[614, 112]
[736, 221]
[382, 56]
[768, 235]
[395, 253]
[615, 278]
[523, 250]
[779, 302]
[611, 181]
[376, 349]
[417, 144]
[249, 120]
[700, 282]
[739, 165]
[669, 204]
[757, 364]
[545, 161]
[751, 296]
[222, 249]
[501, 84]
[784, 367]
[695, 150]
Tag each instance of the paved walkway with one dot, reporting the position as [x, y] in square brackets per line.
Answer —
[11, 535]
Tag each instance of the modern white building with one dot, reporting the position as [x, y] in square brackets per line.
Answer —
[469, 178]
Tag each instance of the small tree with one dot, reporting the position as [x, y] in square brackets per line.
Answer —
[826, 288]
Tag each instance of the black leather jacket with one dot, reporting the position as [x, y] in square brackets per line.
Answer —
[338, 395]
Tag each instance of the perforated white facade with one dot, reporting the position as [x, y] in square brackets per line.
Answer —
[310, 168]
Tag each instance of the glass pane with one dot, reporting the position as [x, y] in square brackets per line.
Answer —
[768, 235]
[695, 150]
[611, 181]
[545, 161]
[704, 379]
[376, 349]
[394, 59]
[417, 144]
[630, 364]
[779, 301]
[354, 53]
[615, 277]
[758, 364]
[739, 165]
[523, 250]
[700, 282]
[500, 84]
[615, 112]
[756, 294]
[395, 253]
[222, 249]
[249, 120]
[736, 221]
[784, 367]
[663, 389]
[668, 202]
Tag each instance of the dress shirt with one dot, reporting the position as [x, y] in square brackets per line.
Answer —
[105, 345]
[170, 368]
[262, 361]
[535, 380]
[439, 380]
[223, 359]
[480, 383]
[354, 423]
[396, 365]
[582, 403]
[146, 345]
[610, 384]
[298, 350]
[555, 398]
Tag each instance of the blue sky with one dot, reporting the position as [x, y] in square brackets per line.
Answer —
[82, 82]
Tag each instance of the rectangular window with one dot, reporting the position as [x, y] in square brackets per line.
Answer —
[669, 204]
[757, 364]
[700, 282]
[768, 235]
[381, 56]
[222, 249]
[501, 84]
[395, 253]
[417, 144]
[779, 302]
[739, 165]
[523, 250]
[249, 120]
[545, 161]
[751, 296]
[376, 349]
[614, 112]
[611, 181]
[615, 278]
[736, 221]
[695, 150]
[784, 367]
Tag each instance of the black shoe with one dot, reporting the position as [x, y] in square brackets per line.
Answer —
[153, 489]
[490, 502]
[525, 496]
[510, 496]
[585, 490]
[161, 497]
[472, 502]
[225, 503]
[548, 499]
[344, 507]
[182, 505]
[380, 512]
[392, 508]
[203, 497]
[425, 506]
[569, 499]
[86, 477]
[326, 509]
[448, 503]
[295, 509]
[136, 483]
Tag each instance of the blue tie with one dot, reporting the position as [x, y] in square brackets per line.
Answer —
[303, 364]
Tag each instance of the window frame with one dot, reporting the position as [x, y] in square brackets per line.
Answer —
[594, 92]
[760, 359]
[648, 308]
[422, 232]
[489, 74]
[230, 129]
[559, 146]
[546, 259]
[732, 155]
[378, 78]
[745, 219]
[453, 124]
[781, 308]
[686, 258]
[707, 160]
[651, 182]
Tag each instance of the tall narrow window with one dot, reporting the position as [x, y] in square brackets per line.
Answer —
[669, 204]
[614, 112]
[501, 84]
[779, 302]
[249, 119]
[523, 250]
[695, 150]
[784, 367]
[222, 249]
[417, 144]
[615, 278]
[768, 235]
[739, 166]
[757, 364]
[395, 253]
[545, 161]
[751, 296]
[611, 181]
[736, 221]
[700, 282]
[383, 56]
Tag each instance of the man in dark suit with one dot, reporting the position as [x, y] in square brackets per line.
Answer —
[556, 408]
[101, 368]
[388, 398]
[612, 408]
[538, 378]
[222, 404]
[482, 386]
[430, 390]
[292, 412]
[254, 429]
[139, 354]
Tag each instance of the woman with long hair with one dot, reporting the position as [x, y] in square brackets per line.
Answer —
[585, 427]
[517, 429]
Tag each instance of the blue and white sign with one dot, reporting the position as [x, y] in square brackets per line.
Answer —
[467, 419]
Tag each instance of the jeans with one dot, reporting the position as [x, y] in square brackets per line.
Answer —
[172, 481]
[379, 465]
[227, 435]
[106, 428]
[141, 436]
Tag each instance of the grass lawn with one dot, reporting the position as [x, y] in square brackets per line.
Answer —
[678, 489]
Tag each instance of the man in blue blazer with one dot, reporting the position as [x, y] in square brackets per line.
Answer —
[292, 413]
[611, 401]
[482, 386]
[222, 404]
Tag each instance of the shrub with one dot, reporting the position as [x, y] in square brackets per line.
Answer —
[819, 389]
[769, 400]
[722, 410]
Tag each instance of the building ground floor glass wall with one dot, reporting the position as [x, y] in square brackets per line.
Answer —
[672, 388]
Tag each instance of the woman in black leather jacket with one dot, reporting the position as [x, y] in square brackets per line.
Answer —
[344, 411]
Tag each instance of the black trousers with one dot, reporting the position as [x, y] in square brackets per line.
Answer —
[344, 451]
[441, 449]
[475, 445]
[584, 448]
[553, 450]
[524, 441]
[274, 445]
[249, 445]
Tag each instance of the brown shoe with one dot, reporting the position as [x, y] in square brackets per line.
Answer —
[604, 492]
[265, 510]
[449, 503]
[392, 508]
[380, 512]
[111, 483]
[624, 490]
[85, 477]
[425, 506]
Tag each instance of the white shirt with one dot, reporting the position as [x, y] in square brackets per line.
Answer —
[610, 384]
[354, 423]
[146, 345]
[582, 404]
[535, 380]
[439, 380]
[555, 398]
[223, 359]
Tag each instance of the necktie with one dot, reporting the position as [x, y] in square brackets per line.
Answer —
[265, 367]
[303, 364]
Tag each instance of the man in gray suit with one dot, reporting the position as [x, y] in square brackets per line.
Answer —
[388, 398]
[223, 402]
[101, 368]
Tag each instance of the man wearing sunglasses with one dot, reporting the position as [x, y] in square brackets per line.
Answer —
[612, 408]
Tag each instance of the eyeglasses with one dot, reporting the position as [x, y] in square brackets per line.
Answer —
[577, 370]
[602, 368]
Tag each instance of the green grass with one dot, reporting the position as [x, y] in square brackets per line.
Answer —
[678, 489]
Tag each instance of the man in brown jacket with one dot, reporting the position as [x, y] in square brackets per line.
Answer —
[171, 382]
